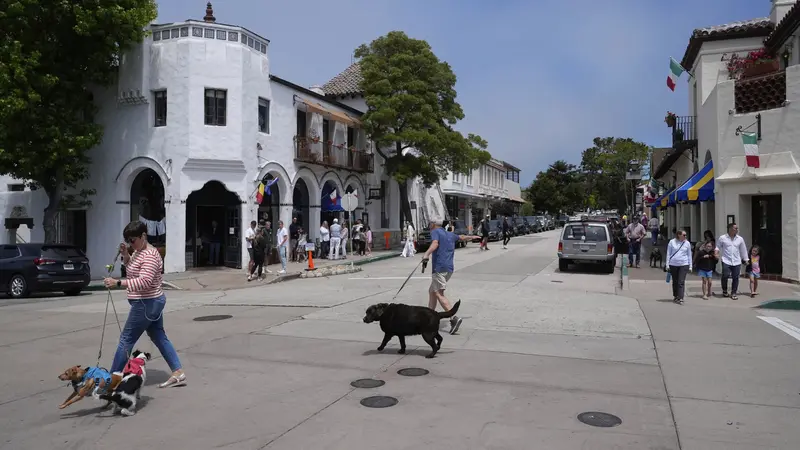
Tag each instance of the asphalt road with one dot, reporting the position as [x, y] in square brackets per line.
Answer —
[537, 348]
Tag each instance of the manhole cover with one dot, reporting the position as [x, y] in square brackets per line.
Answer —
[599, 419]
[378, 401]
[412, 372]
[556, 281]
[367, 383]
[212, 318]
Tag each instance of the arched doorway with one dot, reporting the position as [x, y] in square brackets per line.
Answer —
[331, 202]
[147, 206]
[301, 204]
[213, 226]
[270, 207]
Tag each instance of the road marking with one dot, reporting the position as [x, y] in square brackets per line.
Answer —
[389, 278]
[787, 328]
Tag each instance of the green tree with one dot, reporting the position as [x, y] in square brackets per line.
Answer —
[52, 54]
[605, 166]
[411, 100]
[526, 209]
[559, 188]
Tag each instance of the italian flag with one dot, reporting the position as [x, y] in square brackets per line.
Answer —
[750, 141]
[675, 71]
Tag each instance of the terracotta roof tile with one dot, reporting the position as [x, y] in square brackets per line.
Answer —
[760, 93]
[784, 29]
[346, 83]
[760, 27]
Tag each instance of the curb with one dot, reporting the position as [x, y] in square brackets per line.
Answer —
[781, 303]
[282, 278]
[373, 259]
[99, 287]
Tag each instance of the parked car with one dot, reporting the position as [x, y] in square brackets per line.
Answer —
[423, 240]
[460, 228]
[495, 230]
[534, 225]
[520, 227]
[31, 268]
[586, 241]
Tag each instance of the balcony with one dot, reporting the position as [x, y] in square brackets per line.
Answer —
[760, 93]
[684, 133]
[332, 156]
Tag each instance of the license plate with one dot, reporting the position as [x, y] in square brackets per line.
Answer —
[69, 267]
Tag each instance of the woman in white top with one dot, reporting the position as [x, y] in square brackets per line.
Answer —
[408, 248]
[325, 238]
[679, 263]
[344, 240]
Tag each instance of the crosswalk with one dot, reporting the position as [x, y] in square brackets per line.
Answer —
[787, 326]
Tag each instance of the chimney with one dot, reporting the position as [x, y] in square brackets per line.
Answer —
[779, 9]
[209, 14]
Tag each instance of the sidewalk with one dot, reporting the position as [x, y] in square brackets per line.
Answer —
[224, 278]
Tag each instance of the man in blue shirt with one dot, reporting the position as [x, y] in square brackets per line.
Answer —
[442, 249]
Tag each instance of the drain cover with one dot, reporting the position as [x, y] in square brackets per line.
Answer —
[367, 383]
[412, 372]
[599, 419]
[378, 401]
[556, 281]
[212, 318]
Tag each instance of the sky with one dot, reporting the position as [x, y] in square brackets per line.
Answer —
[537, 79]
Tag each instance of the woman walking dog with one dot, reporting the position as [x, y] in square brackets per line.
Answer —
[147, 302]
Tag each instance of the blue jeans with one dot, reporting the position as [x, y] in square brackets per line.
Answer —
[731, 272]
[633, 250]
[146, 315]
[213, 252]
[282, 250]
[655, 237]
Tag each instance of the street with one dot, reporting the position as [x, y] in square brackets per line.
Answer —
[536, 349]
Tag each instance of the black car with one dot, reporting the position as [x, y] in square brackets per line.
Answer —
[495, 230]
[423, 240]
[31, 268]
[460, 229]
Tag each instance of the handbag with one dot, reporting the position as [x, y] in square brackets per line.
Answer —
[669, 274]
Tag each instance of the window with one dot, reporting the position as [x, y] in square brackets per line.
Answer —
[468, 178]
[160, 103]
[263, 115]
[19, 187]
[456, 178]
[351, 137]
[326, 131]
[9, 251]
[216, 106]
[301, 123]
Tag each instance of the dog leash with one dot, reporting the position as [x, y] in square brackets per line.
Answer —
[110, 300]
[409, 277]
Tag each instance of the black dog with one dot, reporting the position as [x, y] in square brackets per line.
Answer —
[655, 258]
[402, 320]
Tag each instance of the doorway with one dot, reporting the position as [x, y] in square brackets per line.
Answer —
[213, 227]
[767, 223]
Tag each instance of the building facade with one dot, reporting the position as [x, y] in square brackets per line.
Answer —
[713, 185]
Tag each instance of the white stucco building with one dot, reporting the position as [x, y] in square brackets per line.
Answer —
[763, 201]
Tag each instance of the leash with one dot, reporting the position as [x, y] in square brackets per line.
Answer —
[110, 300]
[409, 277]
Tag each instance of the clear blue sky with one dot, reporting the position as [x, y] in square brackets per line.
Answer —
[537, 79]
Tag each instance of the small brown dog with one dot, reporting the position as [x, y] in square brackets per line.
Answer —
[88, 381]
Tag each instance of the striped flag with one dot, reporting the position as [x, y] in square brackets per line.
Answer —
[750, 141]
[260, 193]
[675, 72]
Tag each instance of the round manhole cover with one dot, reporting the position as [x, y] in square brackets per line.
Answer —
[367, 383]
[412, 372]
[212, 318]
[599, 419]
[378, 401]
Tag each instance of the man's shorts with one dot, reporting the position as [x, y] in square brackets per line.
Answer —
[439, 281]
[250, 252]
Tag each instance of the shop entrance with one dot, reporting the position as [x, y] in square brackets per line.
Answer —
[213, 227]
[766, 226]
[331, 203]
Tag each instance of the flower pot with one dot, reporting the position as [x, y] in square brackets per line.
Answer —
[761, 68]
[670, 122]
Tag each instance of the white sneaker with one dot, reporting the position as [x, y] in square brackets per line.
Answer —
[281, 272]
[249, 278]
[269, 271]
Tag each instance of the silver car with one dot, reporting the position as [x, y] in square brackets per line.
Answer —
[586, 241]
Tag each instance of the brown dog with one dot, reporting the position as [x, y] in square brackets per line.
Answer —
[86, 381]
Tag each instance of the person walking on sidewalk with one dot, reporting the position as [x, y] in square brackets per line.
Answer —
[249, 236]
[653, 224]
[754, 269]
[283, 245]
[485, 233]
[259, 252]
[732, 251]
[705, 261]
[343, 236]
[336, 239]
[634, 233]
[442, 249]
[506, 232]
[294, 236]
[679, 263]
[325, 239]
[408, 247]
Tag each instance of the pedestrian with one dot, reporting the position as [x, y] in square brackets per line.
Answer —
[325, 239]
[336, 238]
[679, 263]
[344, 236]
[485, 233]
[294, 235]
[270, 243]
[282, 238]
[634, 233]
[358, 237]
[259, 253]
[147, 300]
[506, 233]
[644, 221]
[408, 248]
[654, 228]
[301, 245]
[754, 269]
[369, 241]
[705, 261]
[249, 236]
[442, 249]
[731, 250]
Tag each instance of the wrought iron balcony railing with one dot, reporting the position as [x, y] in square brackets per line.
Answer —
[332, 156]
[684, 132]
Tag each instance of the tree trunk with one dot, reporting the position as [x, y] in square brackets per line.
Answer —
[55, 194]
[405, 204]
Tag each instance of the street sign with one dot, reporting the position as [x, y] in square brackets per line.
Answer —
[349, 202]
[310, 247]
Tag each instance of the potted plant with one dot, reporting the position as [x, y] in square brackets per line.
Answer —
[756, 63]
[671, 119]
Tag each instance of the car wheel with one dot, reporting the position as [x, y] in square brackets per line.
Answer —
[610, 267]
[18, 287]
[73, 292]
[563, 265]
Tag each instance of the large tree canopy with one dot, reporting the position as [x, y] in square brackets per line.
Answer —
[52, 53]
[411, 104]
[557, 189]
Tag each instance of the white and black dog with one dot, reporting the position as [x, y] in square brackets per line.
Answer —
[129, 390]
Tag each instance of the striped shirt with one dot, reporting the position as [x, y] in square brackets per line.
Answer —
[144, 274]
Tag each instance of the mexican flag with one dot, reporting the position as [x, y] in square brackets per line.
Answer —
[750, 141]
[675, 71]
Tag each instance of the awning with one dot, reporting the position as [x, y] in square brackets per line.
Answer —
[516, 199]
[314, 107]
[699, 188]
[341, 117]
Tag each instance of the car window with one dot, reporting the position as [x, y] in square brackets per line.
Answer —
[61, 251]
[593, 233]
[9, 251]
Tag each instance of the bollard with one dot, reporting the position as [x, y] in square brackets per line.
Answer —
[624, 282]
[310, 261]
[386, 237]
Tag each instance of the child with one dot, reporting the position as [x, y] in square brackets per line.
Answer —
[754, 269]
[369, 241]
[705, 262]
[301, 245]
